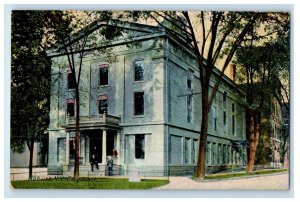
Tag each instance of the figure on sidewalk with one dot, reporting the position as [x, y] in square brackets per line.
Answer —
[110, 163]
[93, 162]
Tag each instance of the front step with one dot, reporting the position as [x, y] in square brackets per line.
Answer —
[86, 171]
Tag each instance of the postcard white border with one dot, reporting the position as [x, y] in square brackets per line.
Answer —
[5, 99]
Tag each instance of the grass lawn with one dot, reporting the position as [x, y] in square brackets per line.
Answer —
[87, 183]
[232, 175]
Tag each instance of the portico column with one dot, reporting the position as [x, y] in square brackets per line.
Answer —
[68, 148]
[104, 146]
[83, 150]
[118, 147]
[87, 149]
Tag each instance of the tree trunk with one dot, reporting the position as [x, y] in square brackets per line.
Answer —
[76, 165]
[203, 135]
[257, 128]
[30, 145]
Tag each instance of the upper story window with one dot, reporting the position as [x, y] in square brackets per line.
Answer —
[139, 103]
[140, 146]
[224, 111]
[225, 121]
[103, 74]
[189, 99]
[189, 108]
[214, 114]
[224, 99]
[102, 104]
[71, 80]
[139, 70]
[189, 84]
[70, 107]
[233, 119]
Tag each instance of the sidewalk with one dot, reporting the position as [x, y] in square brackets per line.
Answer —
[278, 181]
[22, 173]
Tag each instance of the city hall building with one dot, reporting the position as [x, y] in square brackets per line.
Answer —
[140, 102]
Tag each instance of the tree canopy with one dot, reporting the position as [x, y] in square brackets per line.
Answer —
[30, 80]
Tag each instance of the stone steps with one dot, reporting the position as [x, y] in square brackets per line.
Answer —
[86, 171]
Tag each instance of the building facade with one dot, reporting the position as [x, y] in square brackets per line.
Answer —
[141, 104]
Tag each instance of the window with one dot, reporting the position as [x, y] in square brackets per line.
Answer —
[139, 103]
[71, 107]
[72, 148]
[139, 70]
[189, 108]
[215, 154]
[61, 150]
[225, 154]
[140, 146]
[189, 84]
[233, 119]
[189, 99]
[233, 157]
[193, 152]
[224, 99]
[176, 147]
[208, 150]
[224, 119]
[220, 152]
[103, 74]
[224, 111]
[229, 155]
[102, 104]
[186, 150]
[71, 80]
[214, 113]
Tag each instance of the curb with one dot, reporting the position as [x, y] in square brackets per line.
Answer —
[236, 178]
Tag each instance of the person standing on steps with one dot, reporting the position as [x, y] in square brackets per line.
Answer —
[94, 162]
[110, 163]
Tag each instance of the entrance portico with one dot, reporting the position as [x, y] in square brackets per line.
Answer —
[98, 142]
[99, 136]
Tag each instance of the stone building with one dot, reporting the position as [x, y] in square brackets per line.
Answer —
[143, 101]
[275, 135]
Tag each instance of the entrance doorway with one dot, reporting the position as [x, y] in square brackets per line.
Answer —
[110, 143]
[95, 137]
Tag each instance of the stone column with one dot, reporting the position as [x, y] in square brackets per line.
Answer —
[118, 147]
[104, 146]
[87, 150]
[83, 151]
[68, 148]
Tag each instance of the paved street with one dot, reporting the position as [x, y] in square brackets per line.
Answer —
[270, 182]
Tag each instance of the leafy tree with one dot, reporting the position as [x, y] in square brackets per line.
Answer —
[263, 66]
[30, 84]
[211, 35]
